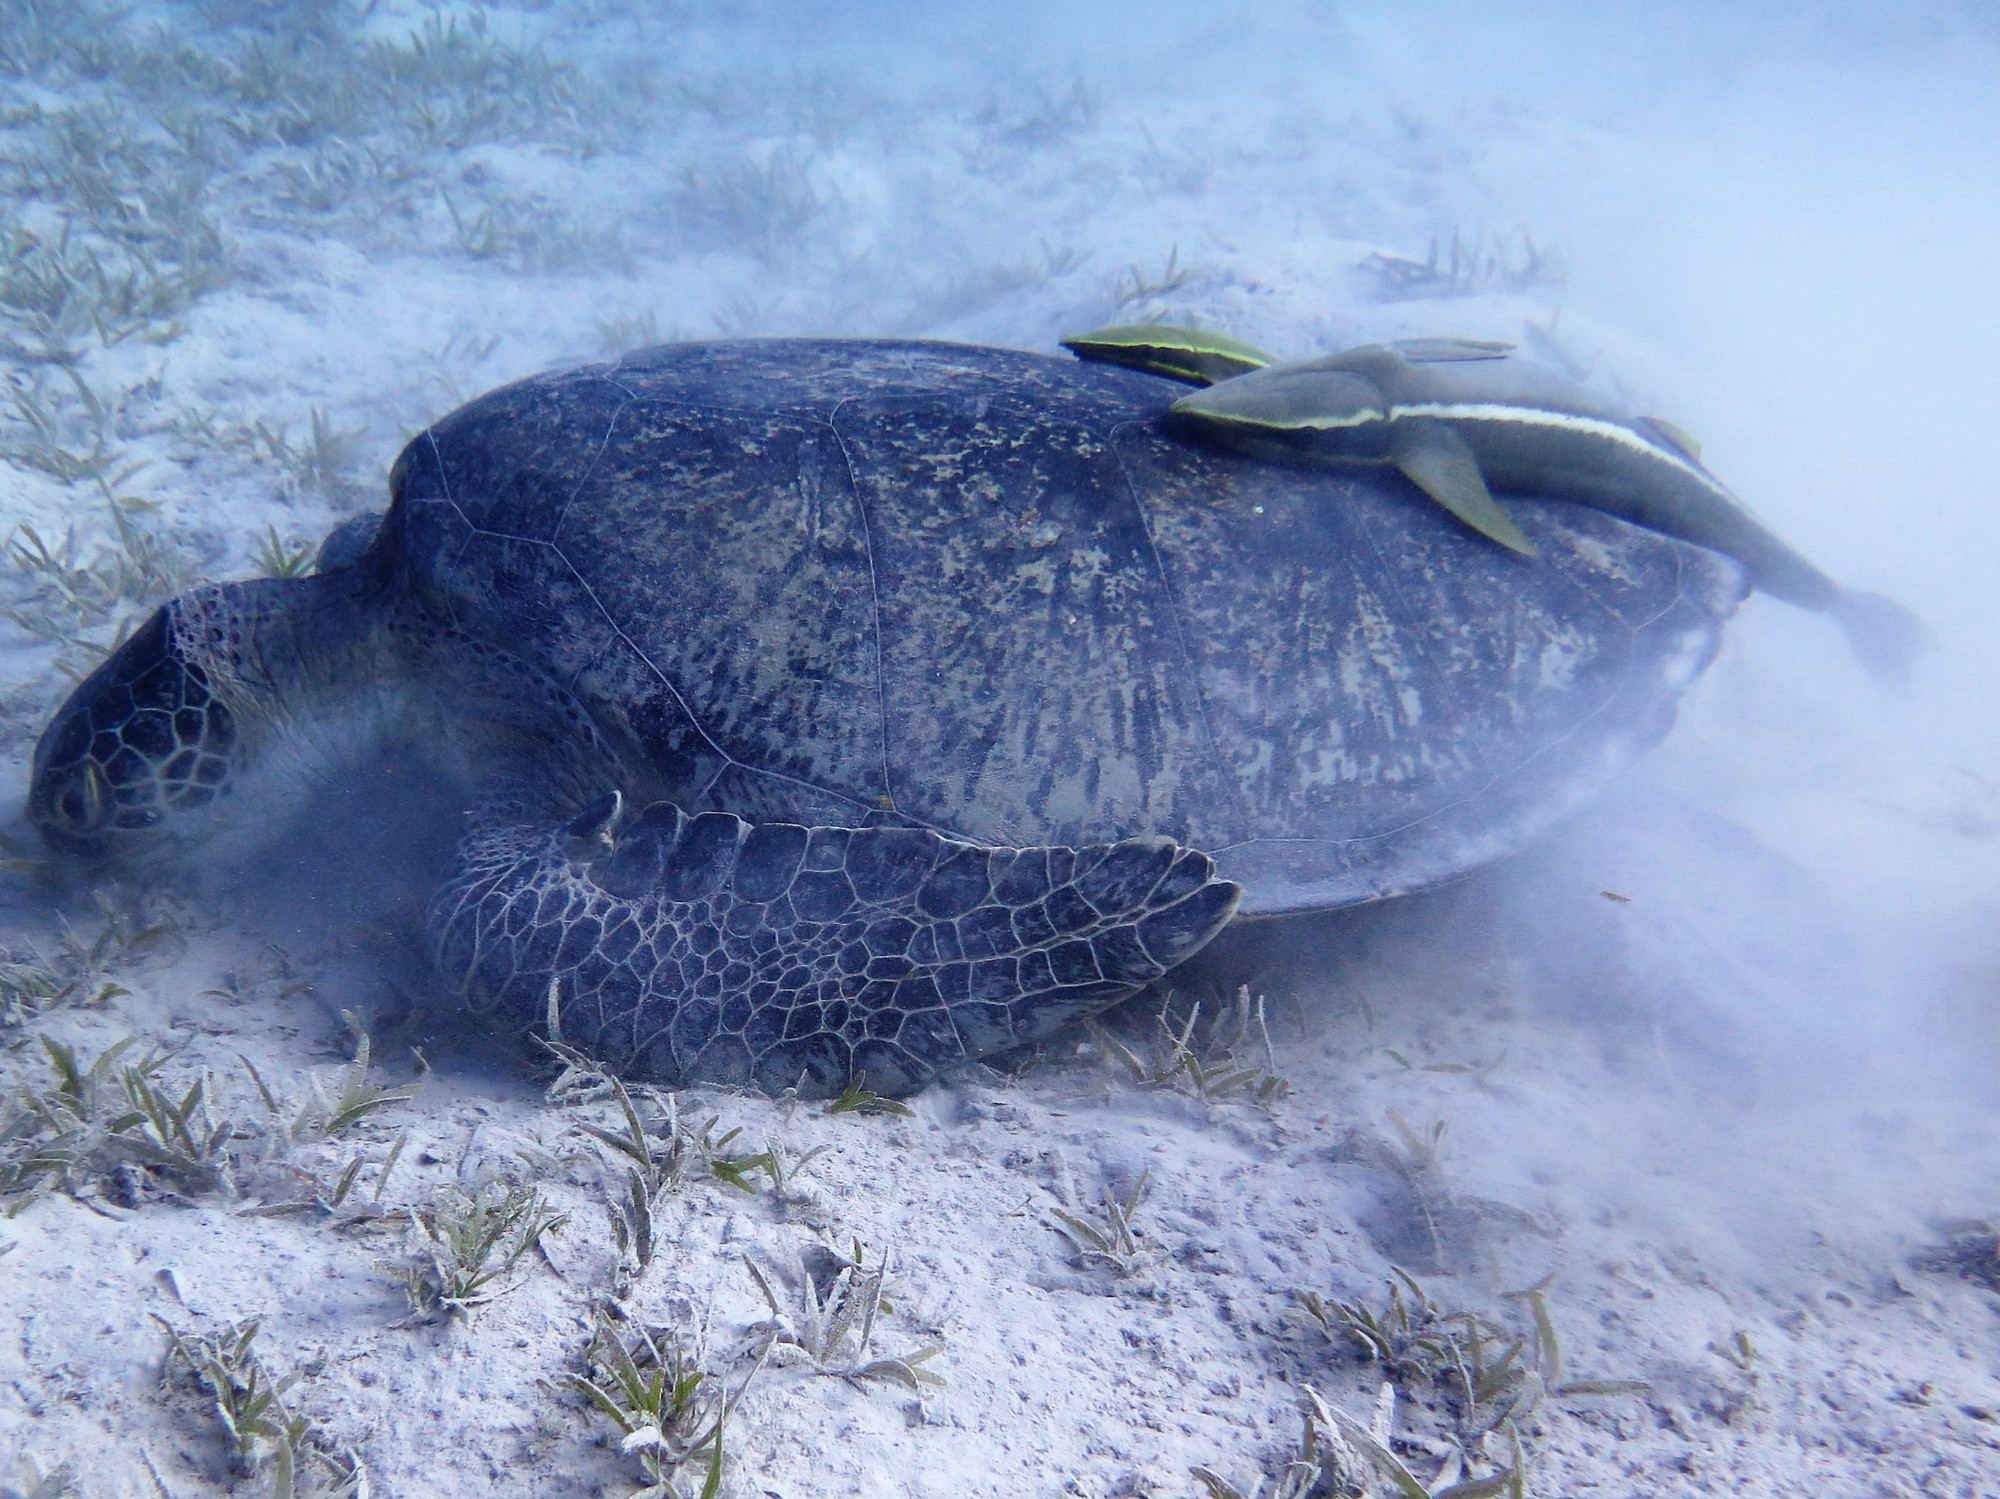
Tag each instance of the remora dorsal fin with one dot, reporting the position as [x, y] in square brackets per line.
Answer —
[1668, 434]
[1438, 461]
[1450, 350]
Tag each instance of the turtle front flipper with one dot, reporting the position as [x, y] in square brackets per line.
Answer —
[703, 949]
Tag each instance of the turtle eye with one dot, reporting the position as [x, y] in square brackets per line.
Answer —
[81, 803]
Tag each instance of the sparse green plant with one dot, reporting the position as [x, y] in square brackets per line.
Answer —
[49, 1134]
[79, 590]
[1418, 1152]
[760, 206]
[1417, 1155]
[1059, 260]
[337, 1196]
[580, 1078]
[277, 558]
[180, 1137]
[467, 1243]
[1478, 1363]
[1481, 1071]
[1548, 1355]
[831, 1323]
[72, 1136]
[453, 363]
[666, 1155]
[531, 235]
[117, 210]
[125, 938]
[1043, 120]
[973, 288]
[27, 990]
[1488, 1375]
[1357, 1459]
[25, 859]
[321, 1115]
[671, 1409]
[262, 1428]
[1547, 1347]
[858, 1098]
[248, 1401]
[358, 1099]
[1738, 1352]
[1407, 1335]
[1464, 267]
[31, 987]
[1112, 1239]
[59, 291]
[274, 976]
[628, 331]
[746, 313]
[1301, 1477]
[321, 464]
[1205, 1063]
[631, 1215]
[1325, 1463]
[1298, 1480]
[1137, 289]
[776, 1162]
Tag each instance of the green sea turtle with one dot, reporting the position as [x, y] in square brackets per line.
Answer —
[835, 709]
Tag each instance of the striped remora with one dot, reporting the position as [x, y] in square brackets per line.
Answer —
[1194, 356]
[1461, 418]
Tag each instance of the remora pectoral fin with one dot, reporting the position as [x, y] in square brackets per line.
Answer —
[1437, 460]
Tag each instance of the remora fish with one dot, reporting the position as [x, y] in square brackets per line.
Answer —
[1456, 415]
[1197, 356]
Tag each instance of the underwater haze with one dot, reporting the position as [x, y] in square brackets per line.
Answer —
[1659, 1159]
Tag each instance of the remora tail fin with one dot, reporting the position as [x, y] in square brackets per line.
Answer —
[1884, 636]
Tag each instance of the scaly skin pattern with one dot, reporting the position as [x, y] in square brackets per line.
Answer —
[781, 956]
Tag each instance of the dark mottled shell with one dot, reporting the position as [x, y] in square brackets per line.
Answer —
[1005, 597]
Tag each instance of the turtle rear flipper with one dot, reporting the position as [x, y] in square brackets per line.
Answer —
[779, 955]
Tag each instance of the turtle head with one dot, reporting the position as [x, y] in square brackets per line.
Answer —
[139, 755]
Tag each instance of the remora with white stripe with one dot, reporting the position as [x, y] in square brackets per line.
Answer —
[1457, 416]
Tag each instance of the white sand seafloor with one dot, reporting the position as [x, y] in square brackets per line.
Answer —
[1709, 1076]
